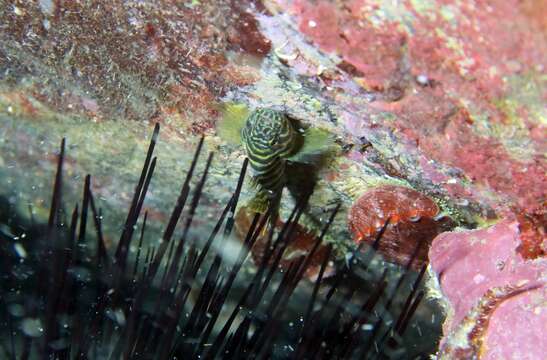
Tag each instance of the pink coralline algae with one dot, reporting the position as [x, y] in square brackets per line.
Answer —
[412, 222]
[497, 299]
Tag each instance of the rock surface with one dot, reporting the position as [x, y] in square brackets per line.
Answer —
[496, 298]
[444, 97]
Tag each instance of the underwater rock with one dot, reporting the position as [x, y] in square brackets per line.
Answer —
[131, 60]
[462, 85]
[496, 299]
[412, 223]
[446, 96]
[437, 103]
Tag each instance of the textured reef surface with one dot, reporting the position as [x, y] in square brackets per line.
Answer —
[441, 99]
[490, 289]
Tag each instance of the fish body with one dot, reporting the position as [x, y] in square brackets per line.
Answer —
[272, 141]
[269, 138]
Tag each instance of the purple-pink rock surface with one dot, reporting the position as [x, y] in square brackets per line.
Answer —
[496, 298]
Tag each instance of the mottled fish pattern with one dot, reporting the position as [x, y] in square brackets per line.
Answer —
[269, 138]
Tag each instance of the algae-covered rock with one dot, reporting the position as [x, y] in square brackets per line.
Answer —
[430, 109]
[443, 98]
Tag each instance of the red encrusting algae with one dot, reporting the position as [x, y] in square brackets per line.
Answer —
[412, 224]
[446, 70]
[532, 235]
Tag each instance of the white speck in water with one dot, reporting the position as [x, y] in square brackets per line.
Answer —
[462, 202]
[47, 6]
[422, 79]
[20, 250]
[367, 327]
[32, 327]
[118, 316]
[59, 344]
[312, 24]
[16, 310]
[439, 216]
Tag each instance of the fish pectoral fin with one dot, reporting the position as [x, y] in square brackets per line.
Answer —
[229, 126]
[316, 144]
